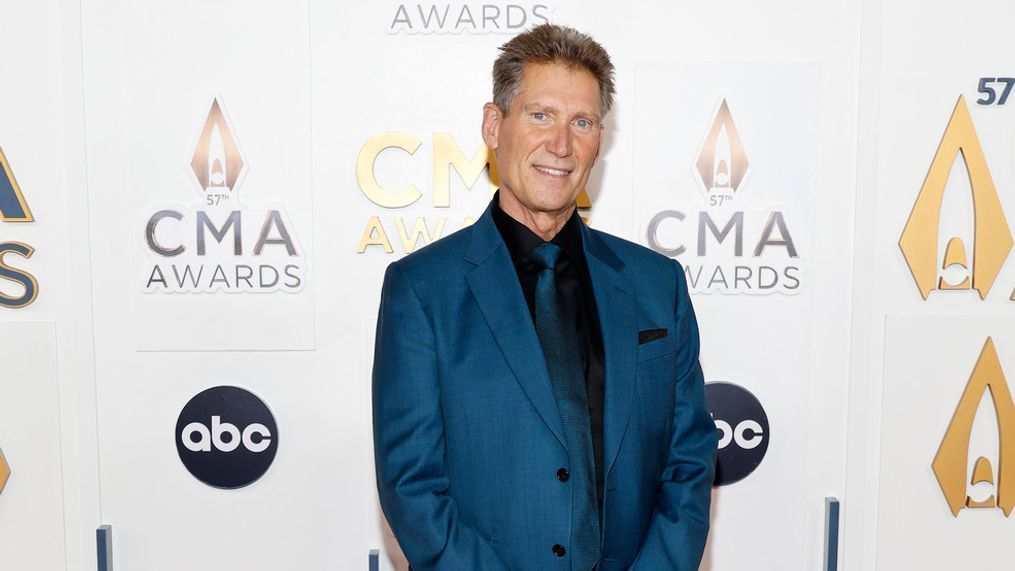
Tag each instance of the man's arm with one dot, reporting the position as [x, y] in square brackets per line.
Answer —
[412, 478]
[679, 526]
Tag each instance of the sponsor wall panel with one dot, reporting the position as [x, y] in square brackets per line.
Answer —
[214, 125]
[931, 365]
[151, 92]
[746, 162]
[42, 155]
[918, 138]
[940, 249]
[29, 217]
[31, 485]
[290, 516]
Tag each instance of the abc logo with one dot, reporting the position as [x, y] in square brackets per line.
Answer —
[226, 437]
[742, 428]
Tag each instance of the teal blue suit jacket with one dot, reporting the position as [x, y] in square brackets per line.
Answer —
[467, 438]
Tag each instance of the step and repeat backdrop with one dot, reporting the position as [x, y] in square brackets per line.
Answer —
[199, 200]
[936, 421]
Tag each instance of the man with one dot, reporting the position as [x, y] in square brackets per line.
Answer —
[537, 398]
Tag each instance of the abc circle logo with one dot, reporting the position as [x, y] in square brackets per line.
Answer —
[226, 437]
[742, 428]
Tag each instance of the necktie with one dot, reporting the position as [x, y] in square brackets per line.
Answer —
[555, 327]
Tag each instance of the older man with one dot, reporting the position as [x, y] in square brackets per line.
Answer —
[538, 402]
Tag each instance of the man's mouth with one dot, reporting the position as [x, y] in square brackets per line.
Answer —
[552, 171]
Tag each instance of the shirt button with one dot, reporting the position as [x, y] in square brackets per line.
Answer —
[563, 475]
[559, 550]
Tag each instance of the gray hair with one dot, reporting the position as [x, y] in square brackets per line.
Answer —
[548, 43]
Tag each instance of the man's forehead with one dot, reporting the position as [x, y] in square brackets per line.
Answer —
[539, 79]
[554, 68]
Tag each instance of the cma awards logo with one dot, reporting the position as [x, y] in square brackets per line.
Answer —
[415, 232]
[14, 208]
[474, 171]
[983, 485]
[723, 245]
[468, 17]
[220, 244]
[937, 264]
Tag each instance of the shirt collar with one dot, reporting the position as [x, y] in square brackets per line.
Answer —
[520, 240]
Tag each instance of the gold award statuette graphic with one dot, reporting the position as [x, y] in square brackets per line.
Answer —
[5, 471]
[951, 464]
[991, 236]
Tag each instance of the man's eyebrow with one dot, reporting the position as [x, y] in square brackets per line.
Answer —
[541, 107]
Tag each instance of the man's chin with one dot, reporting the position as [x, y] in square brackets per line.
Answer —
[555, 199]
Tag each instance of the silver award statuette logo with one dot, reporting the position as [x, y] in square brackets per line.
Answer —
[722, 163]
[218, 163]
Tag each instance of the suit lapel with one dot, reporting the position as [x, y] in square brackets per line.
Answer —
[494, 284]
[615, 304]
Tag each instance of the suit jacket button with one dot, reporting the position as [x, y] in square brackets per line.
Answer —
[559, 550]
[563, 475]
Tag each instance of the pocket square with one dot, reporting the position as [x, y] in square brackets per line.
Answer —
[651, 335]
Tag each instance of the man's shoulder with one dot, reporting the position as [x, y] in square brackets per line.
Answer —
[635, 255]
[658, 280]
[439, 256]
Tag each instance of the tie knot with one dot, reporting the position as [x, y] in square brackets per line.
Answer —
[546, 255]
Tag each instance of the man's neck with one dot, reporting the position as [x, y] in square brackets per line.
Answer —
[546, 225]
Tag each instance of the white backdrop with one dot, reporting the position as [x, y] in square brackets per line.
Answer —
[336, 108]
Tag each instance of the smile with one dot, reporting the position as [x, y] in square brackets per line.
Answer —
[552, 171]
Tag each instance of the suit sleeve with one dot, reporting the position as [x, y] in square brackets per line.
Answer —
[679, 524]
[412, 478]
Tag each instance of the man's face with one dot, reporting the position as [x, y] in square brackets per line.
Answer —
[548, 142]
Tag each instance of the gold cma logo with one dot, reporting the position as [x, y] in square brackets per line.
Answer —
[951, 462]
[448, 157]
[5, 471]
[14, 208]
[722, 163]
[991, 237]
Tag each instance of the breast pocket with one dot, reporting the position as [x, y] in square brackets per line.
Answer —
[655, 349]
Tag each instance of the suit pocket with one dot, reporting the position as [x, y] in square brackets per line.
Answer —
[657, 348]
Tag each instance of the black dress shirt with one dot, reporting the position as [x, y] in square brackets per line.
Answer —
[572, 277]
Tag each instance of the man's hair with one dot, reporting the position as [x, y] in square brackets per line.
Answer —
[548, 43]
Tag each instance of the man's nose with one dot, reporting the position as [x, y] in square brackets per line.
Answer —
[559, 142]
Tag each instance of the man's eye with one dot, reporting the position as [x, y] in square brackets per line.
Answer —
[539, 115]
[583, 123]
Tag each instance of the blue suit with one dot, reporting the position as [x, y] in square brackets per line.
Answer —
[467, 437]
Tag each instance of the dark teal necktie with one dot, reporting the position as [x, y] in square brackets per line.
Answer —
[555, 326]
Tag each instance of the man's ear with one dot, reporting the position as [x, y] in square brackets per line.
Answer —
[492, 116]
